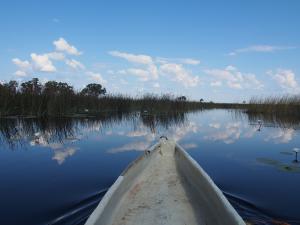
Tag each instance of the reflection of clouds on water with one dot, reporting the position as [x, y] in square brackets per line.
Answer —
[121, 133]
[109, 132]
[233, 131]
[230, 132]
[281, 136]
[55, 146]
[180, 132]
[61, 155]
[176, 133]
[40, 139]
[142, 145]
[60, 152]
[229, 135]
[44, 139]
[189, 145]
[250, 132]
[134, 146]
[215, 125]
[138, 133]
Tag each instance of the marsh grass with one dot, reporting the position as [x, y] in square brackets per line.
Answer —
[57, 99]
[288, 105]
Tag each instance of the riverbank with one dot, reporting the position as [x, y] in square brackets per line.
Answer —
[33, 99]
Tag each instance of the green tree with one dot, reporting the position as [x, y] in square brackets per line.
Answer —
[181, 98]
[32, 87]
[50, 88]
[31, 101]
[94, 90]
[59, 97]
[8, 99]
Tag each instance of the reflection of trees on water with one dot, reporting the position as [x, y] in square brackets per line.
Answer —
[286, 127]
[153, 121]
[175, 127]
[18, 132]
[50, 132]
[269, 120]
[276, 121]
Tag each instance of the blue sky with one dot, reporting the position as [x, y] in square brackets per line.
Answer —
[216, 50]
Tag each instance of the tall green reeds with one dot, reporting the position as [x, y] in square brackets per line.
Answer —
[59, 99]
[288, 105]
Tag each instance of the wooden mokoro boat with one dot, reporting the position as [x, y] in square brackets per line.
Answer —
[164, 186]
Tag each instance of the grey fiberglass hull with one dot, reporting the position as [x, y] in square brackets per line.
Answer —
[164, 186]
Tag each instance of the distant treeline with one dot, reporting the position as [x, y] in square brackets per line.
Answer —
[59, 99]
[53, 98]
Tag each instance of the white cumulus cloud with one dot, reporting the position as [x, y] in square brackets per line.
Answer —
[234, 78]
[56, 56]
[42, 63]
[96, 77]
[23, 67]
[62, 45]
[75, 64]
[150, 72]
[191, 61]
[286, 80]
[21, 64]
[143, 75]
[20, 73]
[141, 59]
[179, 74]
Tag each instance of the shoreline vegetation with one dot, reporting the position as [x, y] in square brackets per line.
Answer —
[33, 99]
[287, 105]
[57, 99]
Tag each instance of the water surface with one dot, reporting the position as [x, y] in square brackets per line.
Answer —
[56, 171]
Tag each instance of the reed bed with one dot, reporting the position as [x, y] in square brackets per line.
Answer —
[57, 99]
[288, 105]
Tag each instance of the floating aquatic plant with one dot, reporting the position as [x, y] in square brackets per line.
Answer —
[279, 165]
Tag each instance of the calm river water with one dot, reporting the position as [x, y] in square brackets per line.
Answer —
[56, 171]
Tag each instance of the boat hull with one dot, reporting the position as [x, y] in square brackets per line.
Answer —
[164, 186]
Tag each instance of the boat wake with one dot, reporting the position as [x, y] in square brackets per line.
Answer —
[253, 215]
[78, 213]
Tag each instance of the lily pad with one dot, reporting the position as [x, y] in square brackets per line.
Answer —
[279, 165]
